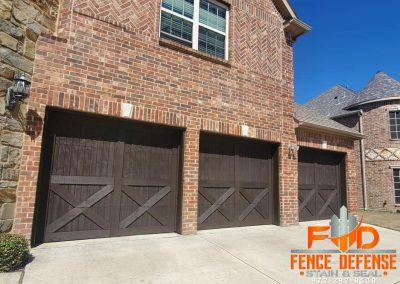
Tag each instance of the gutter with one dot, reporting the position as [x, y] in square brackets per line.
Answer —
[362, 154]
[350, 113]
[329, 130]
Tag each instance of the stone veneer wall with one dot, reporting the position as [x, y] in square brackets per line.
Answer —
[21, 23]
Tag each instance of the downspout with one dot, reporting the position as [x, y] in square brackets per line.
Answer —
[362, 154]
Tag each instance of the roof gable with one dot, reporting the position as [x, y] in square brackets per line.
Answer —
[311, 119]
[332, 102]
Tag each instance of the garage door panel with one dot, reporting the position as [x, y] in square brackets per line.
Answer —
[67, 197]
[145, 204]
[241, 169]
[327, 202]
[321, 188]
[122, 185]
[252, 169]
[326, 174]
[154, 162]
[254, 205]
[76, 194]
[216, 206]
[306, 173]
[307, 203]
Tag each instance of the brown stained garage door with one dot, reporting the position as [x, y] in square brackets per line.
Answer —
[109, 178]
[236, 182]
[321, 184]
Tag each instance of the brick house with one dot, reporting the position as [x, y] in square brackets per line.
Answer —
[374, 111]
[173, 116]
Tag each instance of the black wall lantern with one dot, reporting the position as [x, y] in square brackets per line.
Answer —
[17, 92]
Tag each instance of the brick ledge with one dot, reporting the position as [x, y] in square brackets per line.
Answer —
[179, 47]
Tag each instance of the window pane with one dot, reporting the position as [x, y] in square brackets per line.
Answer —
[397, 196]
[212, 15]
[211, 42]
[176, 28]
[182, 7]
[394, 124]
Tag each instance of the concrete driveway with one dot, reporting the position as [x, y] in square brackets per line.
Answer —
[240, 255]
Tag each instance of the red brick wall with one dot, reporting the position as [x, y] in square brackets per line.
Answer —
[381, 153]
[312, 139]
[102, 58]
[354, 123]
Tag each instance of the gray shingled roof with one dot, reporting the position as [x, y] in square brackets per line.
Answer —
[381, 86]
[332, 102]
[313, 118]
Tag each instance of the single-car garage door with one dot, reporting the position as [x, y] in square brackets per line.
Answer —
[322, 189]
[108, 178]
[236, 182]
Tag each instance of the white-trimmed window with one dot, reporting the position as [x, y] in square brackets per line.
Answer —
[396, 176]
[199, 24]
[394, 120]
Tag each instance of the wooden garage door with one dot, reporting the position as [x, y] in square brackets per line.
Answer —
[110, 179]
[235, 182]
[321, 184]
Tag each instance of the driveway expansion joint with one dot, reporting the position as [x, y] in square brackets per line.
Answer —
[241, 260]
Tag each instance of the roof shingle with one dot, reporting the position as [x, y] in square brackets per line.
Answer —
[312, 117]
[332, 102]
[381, 86]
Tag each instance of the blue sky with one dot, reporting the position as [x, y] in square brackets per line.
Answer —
[351, 40]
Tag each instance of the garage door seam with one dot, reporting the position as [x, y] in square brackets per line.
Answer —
[241, 260]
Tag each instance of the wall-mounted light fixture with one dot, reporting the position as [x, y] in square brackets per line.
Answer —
[324, 144]
[293, 149]
[18, 92]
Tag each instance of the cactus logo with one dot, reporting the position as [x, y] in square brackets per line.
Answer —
[345, 232]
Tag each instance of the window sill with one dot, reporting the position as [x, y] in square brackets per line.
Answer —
[180, 47]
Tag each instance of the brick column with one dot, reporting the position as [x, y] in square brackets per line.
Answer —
[27, 185]
[351, 182]
[288, 186]
[190, 181]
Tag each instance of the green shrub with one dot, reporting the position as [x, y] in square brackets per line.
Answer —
[14, 252]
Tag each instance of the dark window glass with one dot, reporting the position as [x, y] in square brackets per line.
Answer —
[394, 124]
[212, 15]
[176, 28]
[183, 7]
[211, 42]
[396, 176]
